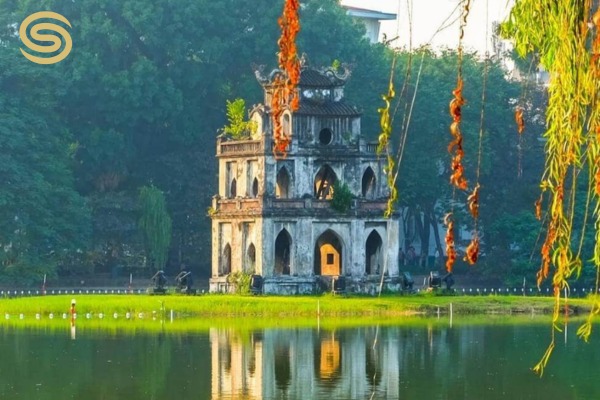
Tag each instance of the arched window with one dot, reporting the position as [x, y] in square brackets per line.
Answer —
[374, 259]
[328, 254]
[233, 188]
[251, 258]
[282, 189]
[255, 188]
[226, 260]
[368, 184]
[283, 247]
[324, 181]
[287, 124]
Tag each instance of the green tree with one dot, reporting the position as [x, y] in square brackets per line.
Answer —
[44, 222]
[238, 126]
[155, 224]
[423, 185]
[141, 90]
[342, 197]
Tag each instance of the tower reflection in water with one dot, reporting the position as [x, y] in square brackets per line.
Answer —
[302, 364]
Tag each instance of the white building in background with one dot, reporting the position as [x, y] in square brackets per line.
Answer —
[371, 19]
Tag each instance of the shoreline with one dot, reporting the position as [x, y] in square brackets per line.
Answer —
[290, 307]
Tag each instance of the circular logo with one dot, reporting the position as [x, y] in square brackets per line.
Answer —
[54, 39]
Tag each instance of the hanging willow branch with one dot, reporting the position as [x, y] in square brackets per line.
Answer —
[560, 33]
[155, 224]
[385, 122]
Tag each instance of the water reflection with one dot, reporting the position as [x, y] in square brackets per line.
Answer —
[236, 364]
[428, 360]
[303, 364]
[431, 361]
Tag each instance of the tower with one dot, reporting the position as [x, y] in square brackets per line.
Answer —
[273, 217]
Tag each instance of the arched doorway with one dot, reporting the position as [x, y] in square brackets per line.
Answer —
[324, 181]
[374, 259]
[328, 254]
[283, 247]
[282, 189]
[368, 184]
[226, 260]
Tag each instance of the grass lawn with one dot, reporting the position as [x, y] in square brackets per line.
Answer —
[285, 307]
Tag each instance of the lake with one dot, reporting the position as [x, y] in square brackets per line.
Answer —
[425, 359]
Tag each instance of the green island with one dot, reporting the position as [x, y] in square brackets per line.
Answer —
[285, 307]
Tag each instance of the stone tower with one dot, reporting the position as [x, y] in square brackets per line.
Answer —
[273, 217]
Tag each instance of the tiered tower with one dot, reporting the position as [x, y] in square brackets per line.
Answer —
[273, 217]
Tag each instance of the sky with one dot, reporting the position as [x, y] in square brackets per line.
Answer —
[428, 16]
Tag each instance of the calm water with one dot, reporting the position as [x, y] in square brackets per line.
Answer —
[427, 361]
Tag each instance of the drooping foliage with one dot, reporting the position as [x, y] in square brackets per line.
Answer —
[565, 36]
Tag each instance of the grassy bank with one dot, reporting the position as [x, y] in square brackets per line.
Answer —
[280, 307]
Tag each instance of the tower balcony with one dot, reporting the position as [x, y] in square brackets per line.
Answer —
[240, 147]
[263, 206]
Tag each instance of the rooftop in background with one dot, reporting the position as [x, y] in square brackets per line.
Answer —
[429, 15]
[371, 14]
[371, 19]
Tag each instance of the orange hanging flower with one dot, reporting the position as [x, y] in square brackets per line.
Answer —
[520, 120]
[457, 102]
[472, 252]
[538, 208]
[285, 95]
[595, 59]
[473, 201]
[450, 248]
[546, 258]
[455, 146]
[457, 178]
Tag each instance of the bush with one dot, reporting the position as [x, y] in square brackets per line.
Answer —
[241, 281]
[342, 197]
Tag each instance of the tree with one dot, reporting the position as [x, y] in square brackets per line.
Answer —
[565, 36]
[44, 222]
[423, 184]
[238, 126]
[143, 103]
[155, 224]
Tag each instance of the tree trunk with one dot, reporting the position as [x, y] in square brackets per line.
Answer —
[425, 233]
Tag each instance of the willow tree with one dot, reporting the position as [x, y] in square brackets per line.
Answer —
[565, 35]
[155, 224]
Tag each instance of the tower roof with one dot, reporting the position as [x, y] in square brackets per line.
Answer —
[309, 77]
[327, 109]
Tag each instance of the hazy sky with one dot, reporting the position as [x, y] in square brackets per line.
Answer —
[428, 16]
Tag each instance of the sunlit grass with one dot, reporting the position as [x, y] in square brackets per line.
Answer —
[280, 307]
[198, 325]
